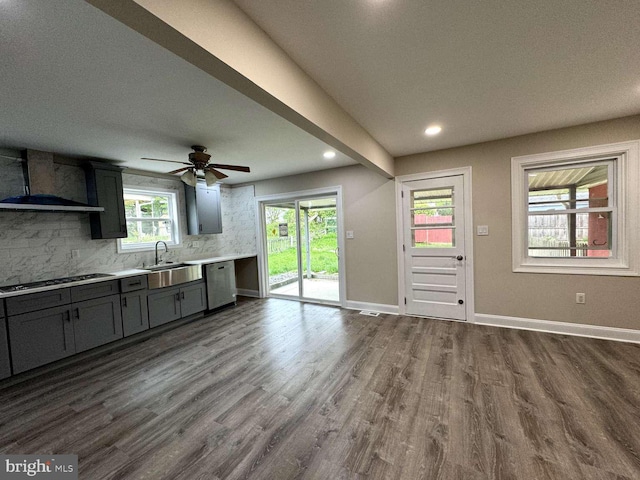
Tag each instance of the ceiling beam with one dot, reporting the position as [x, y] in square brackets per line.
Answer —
[217, 37]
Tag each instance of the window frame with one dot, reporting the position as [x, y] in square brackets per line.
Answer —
[175, 219]
[623, 188]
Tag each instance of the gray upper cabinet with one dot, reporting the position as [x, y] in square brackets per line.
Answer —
[104, 189]
[203, 209]
[5, 365]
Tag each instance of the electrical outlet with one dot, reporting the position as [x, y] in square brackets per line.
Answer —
[195, 244]
[75, 253]
[349, 233]
[581, 298]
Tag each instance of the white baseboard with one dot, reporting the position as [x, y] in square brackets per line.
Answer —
[374, 307]
[563, 328]
[243, 292]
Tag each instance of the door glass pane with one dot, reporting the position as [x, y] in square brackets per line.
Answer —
[433, 238]
[318, 250]
[431, 210]
[282, 256]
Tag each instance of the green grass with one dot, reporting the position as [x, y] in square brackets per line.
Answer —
[323, 257]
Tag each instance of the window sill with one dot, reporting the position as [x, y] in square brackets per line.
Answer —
[146, 248]
[616, 270]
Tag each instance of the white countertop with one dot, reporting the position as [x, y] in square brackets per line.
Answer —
[206, 261]
[121, 274]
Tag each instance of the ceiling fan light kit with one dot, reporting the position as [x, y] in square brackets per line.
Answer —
[189, 177]
[200, 161]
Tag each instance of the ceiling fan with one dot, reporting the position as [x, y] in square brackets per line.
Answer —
[200, 161]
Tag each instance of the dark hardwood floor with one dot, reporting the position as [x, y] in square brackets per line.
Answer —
[275, 389]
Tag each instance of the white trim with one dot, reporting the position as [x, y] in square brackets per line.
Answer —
[244, 292]
[175, 217]
[466, 173]
[373, 307]
[263, 273]
[627, 181]
[562, 328]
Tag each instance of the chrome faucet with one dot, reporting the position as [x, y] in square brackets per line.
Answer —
[166, 249]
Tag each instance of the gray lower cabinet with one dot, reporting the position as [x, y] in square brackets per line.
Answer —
[40, 337]
[96, 322]
[48, 326]
[135, 314]
[169, 304]
[5, 365]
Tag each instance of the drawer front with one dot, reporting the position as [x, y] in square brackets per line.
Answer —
[131, 284]
[94, 290]
[38, 301]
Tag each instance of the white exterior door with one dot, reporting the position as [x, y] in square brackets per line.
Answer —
[434, 250]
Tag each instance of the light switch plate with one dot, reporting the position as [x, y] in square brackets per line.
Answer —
[349, 233]
[482, 230]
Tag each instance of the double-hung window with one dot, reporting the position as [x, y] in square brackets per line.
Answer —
[576, 211]
[152, 215]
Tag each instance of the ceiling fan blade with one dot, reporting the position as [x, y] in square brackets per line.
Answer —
[219, 175]
[178, 170]
[160, 160]
[230, 167]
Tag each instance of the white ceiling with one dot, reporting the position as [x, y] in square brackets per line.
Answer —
[482, 69]
[79, 83]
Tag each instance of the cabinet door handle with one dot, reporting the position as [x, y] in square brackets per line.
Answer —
[220, 268]
[200, 227]
[78, 313]
[182, 295]
[68, 320]
[133, 284]
[124, 302]
[177, 297]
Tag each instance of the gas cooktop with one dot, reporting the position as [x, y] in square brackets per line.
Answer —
[55, 281]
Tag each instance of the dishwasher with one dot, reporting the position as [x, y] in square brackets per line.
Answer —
[221, 284]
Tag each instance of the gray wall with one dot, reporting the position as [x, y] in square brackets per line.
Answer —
[38, 245]
[369, 210]
[611, 301]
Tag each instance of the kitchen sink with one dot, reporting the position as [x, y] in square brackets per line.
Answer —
[161, 276]
[166, 266]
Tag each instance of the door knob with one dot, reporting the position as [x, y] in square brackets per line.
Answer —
[460, 302]
[459, 258]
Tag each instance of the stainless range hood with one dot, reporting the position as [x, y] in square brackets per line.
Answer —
[39, 176]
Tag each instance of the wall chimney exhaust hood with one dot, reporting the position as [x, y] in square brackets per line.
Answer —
[39, 176]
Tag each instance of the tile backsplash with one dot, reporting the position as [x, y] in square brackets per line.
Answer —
[38, 245]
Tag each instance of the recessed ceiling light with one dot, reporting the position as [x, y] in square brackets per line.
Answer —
[433, 130]
[329, 155]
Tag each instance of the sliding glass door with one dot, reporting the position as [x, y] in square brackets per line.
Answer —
[302, 248]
